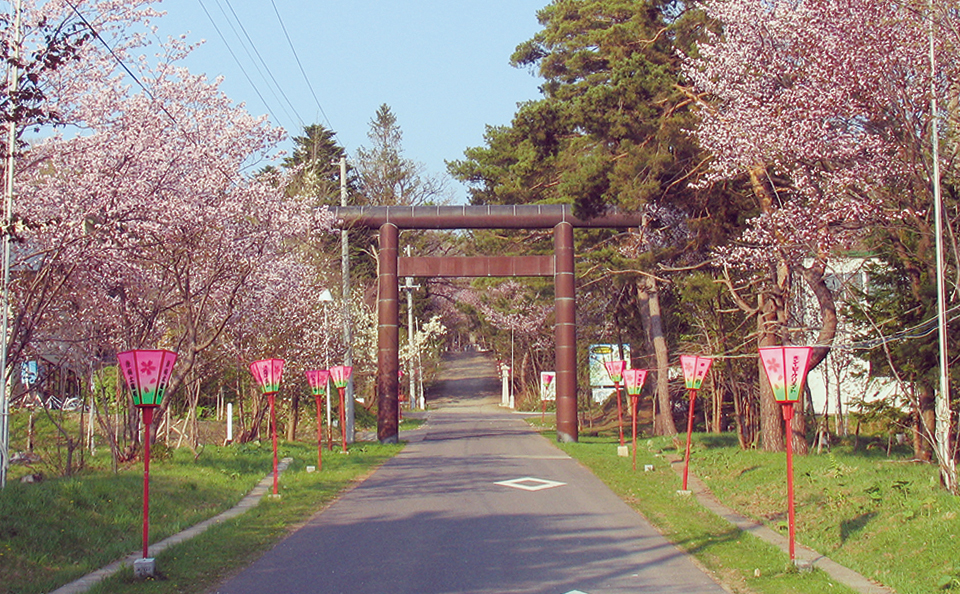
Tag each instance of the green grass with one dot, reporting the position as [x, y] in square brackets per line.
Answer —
[886, 518]
[742, 562]
[59, 530]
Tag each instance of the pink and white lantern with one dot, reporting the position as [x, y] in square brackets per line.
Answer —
[786, 368]
[268, 373]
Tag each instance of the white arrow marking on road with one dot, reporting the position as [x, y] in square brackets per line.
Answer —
[530, 484]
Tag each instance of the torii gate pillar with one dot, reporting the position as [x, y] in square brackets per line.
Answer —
[565, 331]
[388, 336]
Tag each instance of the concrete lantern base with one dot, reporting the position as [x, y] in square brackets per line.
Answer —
[144, 568]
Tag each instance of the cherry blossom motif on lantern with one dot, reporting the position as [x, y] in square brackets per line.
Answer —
[786, 368]
[147, 373]
[694, 370]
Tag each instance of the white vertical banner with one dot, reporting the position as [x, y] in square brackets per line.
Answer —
[229, 421]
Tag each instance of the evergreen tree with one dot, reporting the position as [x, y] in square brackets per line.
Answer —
[315, 163]
[388, 178]
[610, 131]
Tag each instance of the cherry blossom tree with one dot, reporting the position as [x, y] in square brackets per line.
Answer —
[824, 107]
[149, 229]
[517, 310]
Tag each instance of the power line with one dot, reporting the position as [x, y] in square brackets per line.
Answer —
[266, 67]
[237, 60]
[300, 66]
[116, 58]
[922, 329]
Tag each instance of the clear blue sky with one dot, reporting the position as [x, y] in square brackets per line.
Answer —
[442, 66]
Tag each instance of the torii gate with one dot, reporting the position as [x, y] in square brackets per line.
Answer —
[390, 219]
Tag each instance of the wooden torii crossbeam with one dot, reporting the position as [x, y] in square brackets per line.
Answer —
[559, 217]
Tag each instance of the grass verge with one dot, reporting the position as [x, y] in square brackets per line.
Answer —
[885, 517]
[882, 516]
[60, 530]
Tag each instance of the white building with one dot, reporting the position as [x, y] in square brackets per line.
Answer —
[843, 378]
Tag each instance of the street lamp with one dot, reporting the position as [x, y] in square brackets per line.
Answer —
[146, 373]
[615, 371]
[318, 386]
[268, 373]
[326, 297]
[633, 379]
[694, 370]
[786, 369]
[341, 376]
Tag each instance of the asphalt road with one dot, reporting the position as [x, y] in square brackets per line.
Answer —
[443, 517]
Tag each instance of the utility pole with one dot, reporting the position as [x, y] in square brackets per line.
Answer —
[13, 83]
[409, 287]
[948, 470]
[348, 429]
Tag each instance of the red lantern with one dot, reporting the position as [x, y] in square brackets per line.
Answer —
[268, 373]
[633, 379]
[615, 371]
[341, 376]
[694, 370]
[147, 373]
[786, 368]
[318, 379]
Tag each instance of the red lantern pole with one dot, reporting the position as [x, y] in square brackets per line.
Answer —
[791, 508]
[615, 370]
[318, 380]
[400, 397]
[343, 420]
[786, 368]
[686, 456]
[272, 397]
[147, 422]
[634, 398]
[146, 373]
[633, 380]
[695, 368]
[546, 380]
[616, 385]
[319, 433]
[340, 376]
[269, 373]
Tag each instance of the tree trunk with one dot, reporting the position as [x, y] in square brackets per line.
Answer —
[924, 422]
[771, 319]
[813, 275]
[771, 415]
[294, 419]
[252, 433]
[647, 295]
